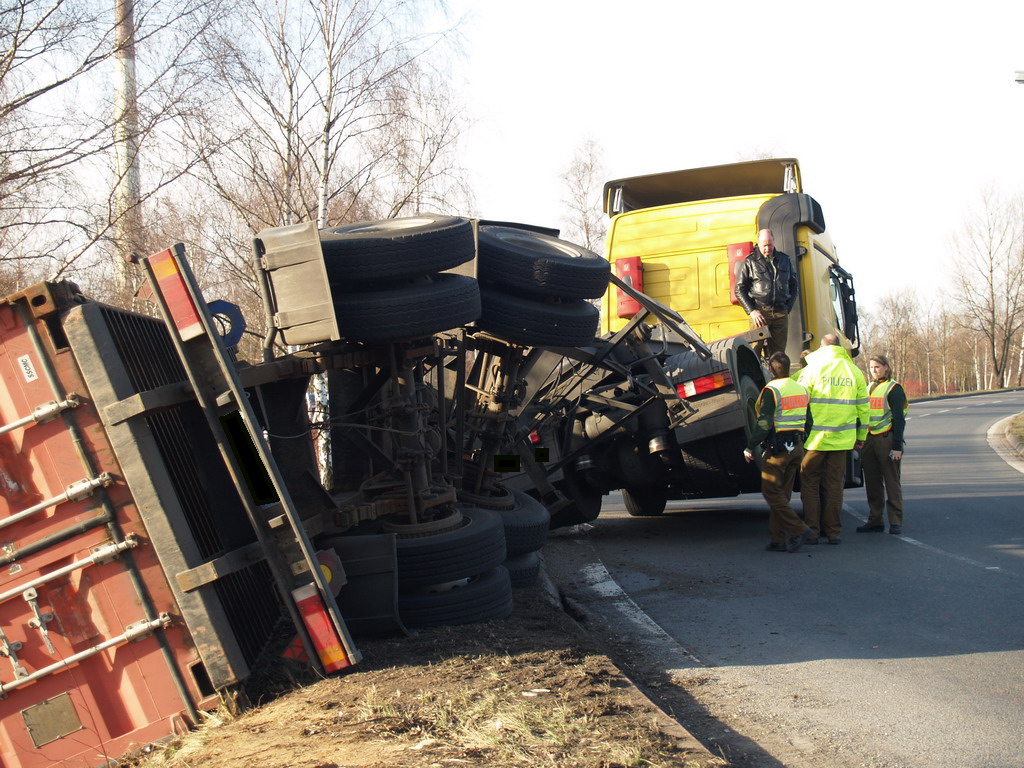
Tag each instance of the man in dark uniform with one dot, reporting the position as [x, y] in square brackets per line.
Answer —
[767, 287]
[782, 422]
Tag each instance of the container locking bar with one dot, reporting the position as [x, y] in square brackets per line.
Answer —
[74, 492]
[99, 555]
[43, 413]
[132, 633]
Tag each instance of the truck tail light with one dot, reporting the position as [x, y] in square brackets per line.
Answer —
[329, 646]
[704, 384]
[534, 437]
[737, 253]
[175, 292]
[631, 270]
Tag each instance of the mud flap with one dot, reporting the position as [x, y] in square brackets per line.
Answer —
[368, 599]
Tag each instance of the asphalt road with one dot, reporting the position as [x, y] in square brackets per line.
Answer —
[883, 651]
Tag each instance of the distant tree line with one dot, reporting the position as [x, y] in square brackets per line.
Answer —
[971, 336]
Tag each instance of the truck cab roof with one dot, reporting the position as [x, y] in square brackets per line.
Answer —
[756, 177]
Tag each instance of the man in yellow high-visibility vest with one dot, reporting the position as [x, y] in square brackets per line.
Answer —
[839, 408]
[780, 426]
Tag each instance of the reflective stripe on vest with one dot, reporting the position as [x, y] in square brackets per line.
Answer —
[881, 413]
[790, 404]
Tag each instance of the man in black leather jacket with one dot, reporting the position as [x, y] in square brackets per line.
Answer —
[767, 287]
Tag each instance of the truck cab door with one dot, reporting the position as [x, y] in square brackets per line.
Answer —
[844, 304]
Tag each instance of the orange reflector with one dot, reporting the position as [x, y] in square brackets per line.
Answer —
[704, 384]
[179, 303]
[320, 628]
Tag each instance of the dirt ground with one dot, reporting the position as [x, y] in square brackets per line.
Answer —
[532, 690]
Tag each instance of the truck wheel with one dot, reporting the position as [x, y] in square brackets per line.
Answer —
[749, 392]
[526, 524]
[483, 598]
[395, 248]
[536, 264]
[523, 570]
[409, 311]
[525, 519]
[537, 323]
[476, 546]
[648, 502]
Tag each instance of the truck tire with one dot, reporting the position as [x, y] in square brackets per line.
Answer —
[476, 546]
[535, 323]
[646, 502]
[526, 525]
[749, 392]
[535, 264]
[408, 310]
[484, 597]
[526, 521]
[523, 570]
[395, 248]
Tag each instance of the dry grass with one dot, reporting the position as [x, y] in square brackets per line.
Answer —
[1016, 427]
[529, 692]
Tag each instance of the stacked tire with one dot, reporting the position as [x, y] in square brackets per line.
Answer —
[534, 287]
[386, 277]
[525, 522]
[454, 575]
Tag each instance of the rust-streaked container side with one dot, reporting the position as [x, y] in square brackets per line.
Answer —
[95, 660]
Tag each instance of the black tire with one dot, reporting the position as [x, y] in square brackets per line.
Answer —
[395, 248]
[469, 550]
[408, 310]
[749, 392]
[484, 598]
[537, 323]
[536, 264]
[523, 570]
[526, 524]
[646, 502]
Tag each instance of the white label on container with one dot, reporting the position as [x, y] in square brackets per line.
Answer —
[27, 369]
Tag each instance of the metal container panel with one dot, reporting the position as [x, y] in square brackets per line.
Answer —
[106, 676]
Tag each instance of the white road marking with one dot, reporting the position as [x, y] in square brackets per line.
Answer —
[929, 547]
[602, 584]
[998, 444]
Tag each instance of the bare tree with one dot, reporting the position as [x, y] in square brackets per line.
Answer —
[584, 182]
[59, 124]
[988, 275]
[328, 112]
[895, 329]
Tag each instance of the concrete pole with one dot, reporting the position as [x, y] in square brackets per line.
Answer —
[127, 191]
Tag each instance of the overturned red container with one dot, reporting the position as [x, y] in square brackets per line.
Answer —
[131, 596]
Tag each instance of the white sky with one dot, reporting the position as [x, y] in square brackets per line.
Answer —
[899, 112]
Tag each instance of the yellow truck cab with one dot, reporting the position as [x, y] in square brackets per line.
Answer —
[687, 231]
[679, 237]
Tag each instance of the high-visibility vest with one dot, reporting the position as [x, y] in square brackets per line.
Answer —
[790, 404]
[838, 400]
[881, 414]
